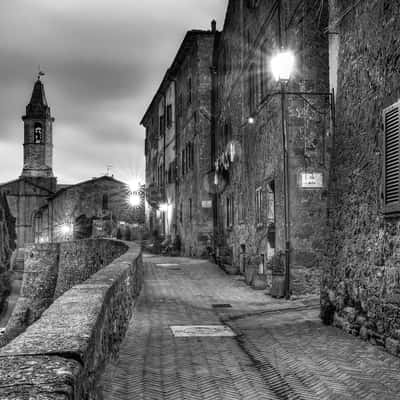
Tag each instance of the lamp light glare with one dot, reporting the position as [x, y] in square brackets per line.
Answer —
[66, 229]
[134, 200]
[164, 207]
[251, 120]
[134, 185]
[282, 65]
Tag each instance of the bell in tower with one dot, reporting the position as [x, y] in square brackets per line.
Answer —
[38, 134]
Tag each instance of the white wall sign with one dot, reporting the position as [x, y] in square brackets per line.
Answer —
[206, 203]
[311, 180]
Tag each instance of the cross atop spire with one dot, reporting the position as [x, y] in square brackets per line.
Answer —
[40, 73]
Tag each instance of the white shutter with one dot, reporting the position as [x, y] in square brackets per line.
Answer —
[391, 117]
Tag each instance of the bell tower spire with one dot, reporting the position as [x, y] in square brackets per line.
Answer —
[38, 134]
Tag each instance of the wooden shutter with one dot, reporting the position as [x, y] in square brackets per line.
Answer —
[392, 158]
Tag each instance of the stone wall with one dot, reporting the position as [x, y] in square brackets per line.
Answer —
[62, 354]
[361, 282]
[53, 268]
[194, 127]
[7, 245]
[247, 44]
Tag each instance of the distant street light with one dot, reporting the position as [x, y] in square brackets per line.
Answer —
[66, 229]
[134, 185]
[134, 199]
[164, 207]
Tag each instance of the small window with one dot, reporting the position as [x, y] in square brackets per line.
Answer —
[252, 89]
[259, 200]
[161, 125]
[190, 91]
[181, 213]
[229, 211]
[190, 210]
[271, 202]
[105, 202]
[169, 115]
[38, 133]
[392, 159]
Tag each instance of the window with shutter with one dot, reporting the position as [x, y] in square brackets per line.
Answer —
[392, 158]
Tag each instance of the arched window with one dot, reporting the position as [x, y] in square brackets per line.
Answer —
[38, 133]
[105, 201]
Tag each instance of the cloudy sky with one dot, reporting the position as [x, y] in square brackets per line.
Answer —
[103, 61]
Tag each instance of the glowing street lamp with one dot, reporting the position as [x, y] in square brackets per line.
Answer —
[134, 199]
[164, 207]
[282, 65]
[66, 229]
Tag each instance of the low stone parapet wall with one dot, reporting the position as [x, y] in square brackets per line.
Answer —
[62, 354]
[53, 268]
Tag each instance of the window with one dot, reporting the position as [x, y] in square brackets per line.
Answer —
[192, 154]
[263, 72]
[229, 211]
[190, 91]
[190, 210]
[105, 202]
[252, 88]
[183, 162]
[169, 115]
[259, 199]
[161, 125]
[271, 202]
[181, 213]
[392, 158]
[38, 133]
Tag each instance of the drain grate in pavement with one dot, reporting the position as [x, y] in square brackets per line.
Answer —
[222, 305]
[201, 330]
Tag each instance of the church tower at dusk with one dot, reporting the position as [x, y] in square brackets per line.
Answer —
[38, 135]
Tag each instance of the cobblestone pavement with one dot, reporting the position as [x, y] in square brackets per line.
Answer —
[281, 350]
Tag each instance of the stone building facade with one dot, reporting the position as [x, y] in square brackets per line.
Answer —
[248, 159]
[94, 208]
[178, 145]
[361, 282]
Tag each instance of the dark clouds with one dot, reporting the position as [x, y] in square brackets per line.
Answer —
[103, 62]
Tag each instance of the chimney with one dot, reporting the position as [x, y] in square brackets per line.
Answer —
[213, 26]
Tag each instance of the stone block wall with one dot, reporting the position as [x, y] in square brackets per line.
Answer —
[194, 220]
[361, 281]
[62, 355]
[7, 245]
[247, 44]
[50, 270]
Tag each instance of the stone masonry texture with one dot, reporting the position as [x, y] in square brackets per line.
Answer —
[7, 245]
[50, 270]
[63, 353]
[188, 152]
[245, 87]
[361, 281]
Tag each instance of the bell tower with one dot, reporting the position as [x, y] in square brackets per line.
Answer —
[38, 135]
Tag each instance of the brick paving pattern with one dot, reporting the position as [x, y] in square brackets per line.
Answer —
[282, 351]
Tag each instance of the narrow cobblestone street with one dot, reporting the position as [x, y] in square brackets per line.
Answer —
[281, 351]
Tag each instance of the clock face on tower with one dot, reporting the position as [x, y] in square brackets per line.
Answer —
[38, 134]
